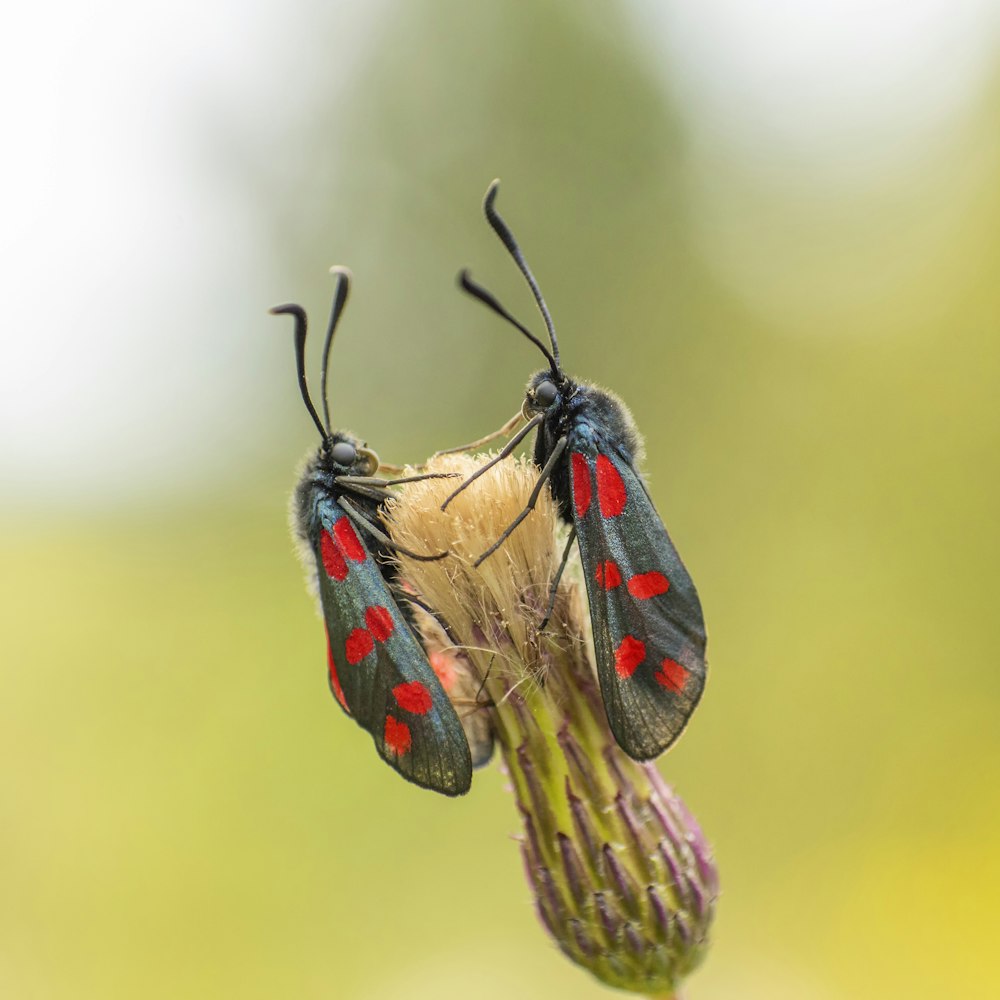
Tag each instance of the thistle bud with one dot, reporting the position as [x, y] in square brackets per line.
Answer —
[622, 877]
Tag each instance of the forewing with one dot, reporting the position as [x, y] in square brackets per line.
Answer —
[649, 634]
[416, 729]
[378, 669]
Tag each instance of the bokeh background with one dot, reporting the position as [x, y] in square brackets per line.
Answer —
[773, 228]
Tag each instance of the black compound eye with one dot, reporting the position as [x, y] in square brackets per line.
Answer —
[546, 393]
[343, 453]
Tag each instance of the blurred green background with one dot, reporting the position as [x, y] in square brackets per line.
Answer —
[773, 229]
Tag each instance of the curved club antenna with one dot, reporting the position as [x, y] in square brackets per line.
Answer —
[344, 277]
[301, 325]
[489, 300]
[299, 315]
[507, 238]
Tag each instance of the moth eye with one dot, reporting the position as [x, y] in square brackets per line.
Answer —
[343, 453]
[546, 393]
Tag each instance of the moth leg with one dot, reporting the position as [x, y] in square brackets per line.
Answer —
[471, 705]
[376, 483]
[489, 703]
[421, 477]
[478, 443]
[532, 500]
[507, 428]
[405, 595]
[376, 493]
[557, 578]
[397, 469]
[507, 449]
[362, 522]
[478, 703]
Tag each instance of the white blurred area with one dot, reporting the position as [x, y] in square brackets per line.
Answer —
[135, 282]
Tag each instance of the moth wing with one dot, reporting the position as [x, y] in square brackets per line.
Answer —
[462, 684]
[649, 632]
[378, 669]
[416, 729]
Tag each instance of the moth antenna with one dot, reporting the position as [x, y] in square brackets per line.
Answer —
[299, 314]
[507, 238]
[489, 300]
[344, 278]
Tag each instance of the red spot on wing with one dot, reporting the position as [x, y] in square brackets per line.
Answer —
[397, 736]
[581, 484]
[338, 691]
[446, 668]
[610, 488]
[333, 558]
[629, 654]
[608, 575]
[362, 640]
[379, 622]
[413, 697]
[359, 644]
[671, 675]
[348, 540]
[645, 585]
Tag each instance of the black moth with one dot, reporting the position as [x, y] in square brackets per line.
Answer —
[649, 634]
[378, 670]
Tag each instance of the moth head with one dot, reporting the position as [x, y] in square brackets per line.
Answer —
[346, 456]
[546, 393]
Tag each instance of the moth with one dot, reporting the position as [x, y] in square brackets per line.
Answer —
[378, 670]
[647, 623]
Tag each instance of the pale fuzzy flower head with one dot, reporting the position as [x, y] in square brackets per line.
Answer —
[510, 590]
[622, 877]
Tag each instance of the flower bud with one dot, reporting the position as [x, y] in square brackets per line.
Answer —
[622, 877]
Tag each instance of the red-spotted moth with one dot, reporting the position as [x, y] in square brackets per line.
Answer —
[649, 633]
[378, 669]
